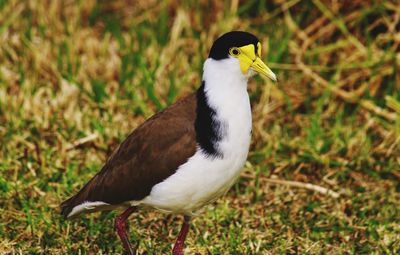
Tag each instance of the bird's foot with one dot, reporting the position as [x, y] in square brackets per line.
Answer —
[178, 248]
[120, 226]
[179, 244]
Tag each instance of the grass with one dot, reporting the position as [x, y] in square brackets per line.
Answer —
[95, 70]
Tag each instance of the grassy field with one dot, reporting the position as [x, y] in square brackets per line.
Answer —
[77, 76]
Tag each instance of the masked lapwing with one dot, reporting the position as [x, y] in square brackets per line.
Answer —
[187, 155]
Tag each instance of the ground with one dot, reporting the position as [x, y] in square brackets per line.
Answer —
[77, 76]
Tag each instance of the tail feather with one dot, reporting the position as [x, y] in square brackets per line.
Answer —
[84, 195]
[68, 205]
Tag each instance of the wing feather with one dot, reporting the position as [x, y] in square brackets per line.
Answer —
[149, 155]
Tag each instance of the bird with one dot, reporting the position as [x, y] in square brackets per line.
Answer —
[187, 155]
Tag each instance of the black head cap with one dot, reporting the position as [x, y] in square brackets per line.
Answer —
[221, 46]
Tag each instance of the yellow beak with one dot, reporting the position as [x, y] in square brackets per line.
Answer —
[248, 58]
[259, 66]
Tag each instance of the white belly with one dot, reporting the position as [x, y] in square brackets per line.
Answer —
[196, 183]
[201, 180]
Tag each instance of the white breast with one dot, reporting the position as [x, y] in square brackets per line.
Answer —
[202, 179]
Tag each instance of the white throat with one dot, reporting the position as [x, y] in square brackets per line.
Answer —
[224, 74]
[226, 91]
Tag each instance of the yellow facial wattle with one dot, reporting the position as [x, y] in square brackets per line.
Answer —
[248, 58]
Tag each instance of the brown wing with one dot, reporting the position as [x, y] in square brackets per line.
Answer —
[149, 155]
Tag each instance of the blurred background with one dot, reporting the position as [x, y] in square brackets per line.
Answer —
[77, 76]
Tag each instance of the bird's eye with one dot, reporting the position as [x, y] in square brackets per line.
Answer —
[234, 51]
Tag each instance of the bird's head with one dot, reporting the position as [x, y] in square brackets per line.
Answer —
[244, 49]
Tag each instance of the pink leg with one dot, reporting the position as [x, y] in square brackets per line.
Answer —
[120, 226]
[178, 247]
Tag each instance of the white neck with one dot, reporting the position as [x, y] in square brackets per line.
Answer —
[225, 85]
[226, 91]
[223, 74]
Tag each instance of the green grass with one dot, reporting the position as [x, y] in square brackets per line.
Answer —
[76, 69]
